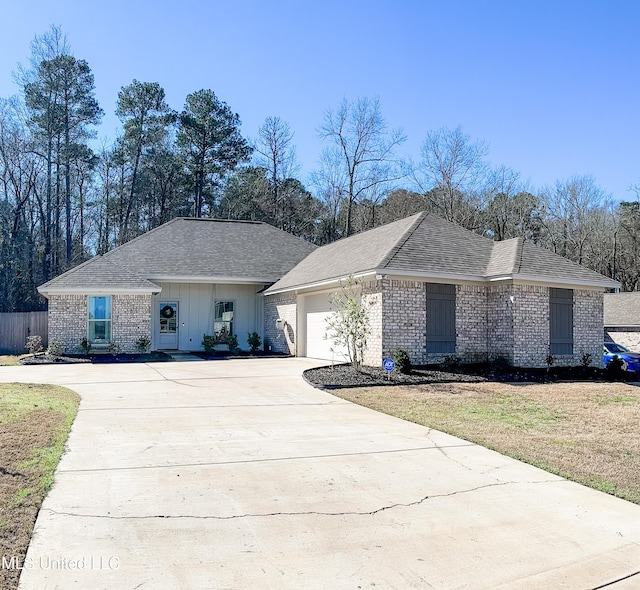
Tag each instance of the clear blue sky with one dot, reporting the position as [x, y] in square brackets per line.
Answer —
[552, 86]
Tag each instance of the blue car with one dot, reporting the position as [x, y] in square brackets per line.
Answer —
[630, 360]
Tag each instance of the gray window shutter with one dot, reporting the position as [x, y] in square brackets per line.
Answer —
[561, 321]
[441, 318]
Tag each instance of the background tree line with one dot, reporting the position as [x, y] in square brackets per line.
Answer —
[65, 196]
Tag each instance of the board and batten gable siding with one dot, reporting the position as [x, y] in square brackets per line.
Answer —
[196, 307]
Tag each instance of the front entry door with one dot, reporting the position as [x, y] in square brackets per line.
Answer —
[168, 333]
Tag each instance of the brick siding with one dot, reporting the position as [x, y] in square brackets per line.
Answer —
[282, 306]
[404, 318]
[130, 319]
[68, 320]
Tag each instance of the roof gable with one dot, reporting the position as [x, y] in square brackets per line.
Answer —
[361, 252]
[98, 274]
[189, 247]
[425, 245]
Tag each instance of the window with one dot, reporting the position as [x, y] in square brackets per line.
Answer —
[223, 322]
[100, 319]
[441, 318]
[560, 321]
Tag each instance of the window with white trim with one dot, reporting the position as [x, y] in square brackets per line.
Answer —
[99, 324]
[223, 321]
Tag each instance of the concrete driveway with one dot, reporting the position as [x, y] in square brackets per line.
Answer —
[237, 474]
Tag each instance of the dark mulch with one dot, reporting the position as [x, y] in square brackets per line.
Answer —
[346, 376]
[46, 359]
[225, 354]
[150, 357]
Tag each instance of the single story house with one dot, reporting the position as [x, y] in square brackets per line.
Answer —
[438, 291]
[172, 285]
[622, 319]
[429, 287]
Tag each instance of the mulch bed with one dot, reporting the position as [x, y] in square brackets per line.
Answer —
[47, 359]
[346, 376]
[225, 354]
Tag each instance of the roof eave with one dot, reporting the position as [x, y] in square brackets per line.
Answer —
[98, 290]
[316, 284]
[605, 283]
[213, 279]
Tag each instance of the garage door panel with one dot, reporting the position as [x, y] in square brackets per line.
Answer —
[319, 345]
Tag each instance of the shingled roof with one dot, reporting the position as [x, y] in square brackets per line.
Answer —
[622, 310]
[191, 249]
[427, 246]
[97, 275]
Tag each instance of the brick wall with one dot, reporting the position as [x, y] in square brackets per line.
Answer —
[282, 306]
[372, 302]
[130, 320]
[68, 320]
[404, 318]
[530, 325]
[500, 335]
[471, 323]
[588, 318]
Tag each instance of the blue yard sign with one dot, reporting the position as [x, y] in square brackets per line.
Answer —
[388, 365]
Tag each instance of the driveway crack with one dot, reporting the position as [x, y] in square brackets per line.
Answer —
[298, 513]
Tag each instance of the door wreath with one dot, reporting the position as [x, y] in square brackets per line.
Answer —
[167, 312]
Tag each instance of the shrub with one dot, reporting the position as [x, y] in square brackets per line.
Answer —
[501, 364]
[402, 361]
[451, 363]
[550, 360]
[208, 343]
[85, 346]
[34, 344]
[232, 341]
[615, 368]
[56, 348]
[143, 344]
[113, 348]
[348, 325]
[254, 341]
[586, 359]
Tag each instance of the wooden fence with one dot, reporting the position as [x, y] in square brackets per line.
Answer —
[16, 327]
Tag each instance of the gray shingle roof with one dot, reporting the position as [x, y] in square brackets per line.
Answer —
[427, 245]
[99, 274]
[621, 309]
[192, 248]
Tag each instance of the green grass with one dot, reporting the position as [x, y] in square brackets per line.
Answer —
[35, 421]
[9, 360]
[583, 432]
[508, 410]
[604, 400]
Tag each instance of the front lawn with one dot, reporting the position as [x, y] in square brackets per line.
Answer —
[584, 431]
[9, 360]
[34, 424]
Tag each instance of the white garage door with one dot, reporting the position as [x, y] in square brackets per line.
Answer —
[318, 310]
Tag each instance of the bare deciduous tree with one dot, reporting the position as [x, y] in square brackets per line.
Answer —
[277, 155]
[360, 160]
[451, 171]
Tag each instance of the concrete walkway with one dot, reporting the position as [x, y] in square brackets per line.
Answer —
[236, 474]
